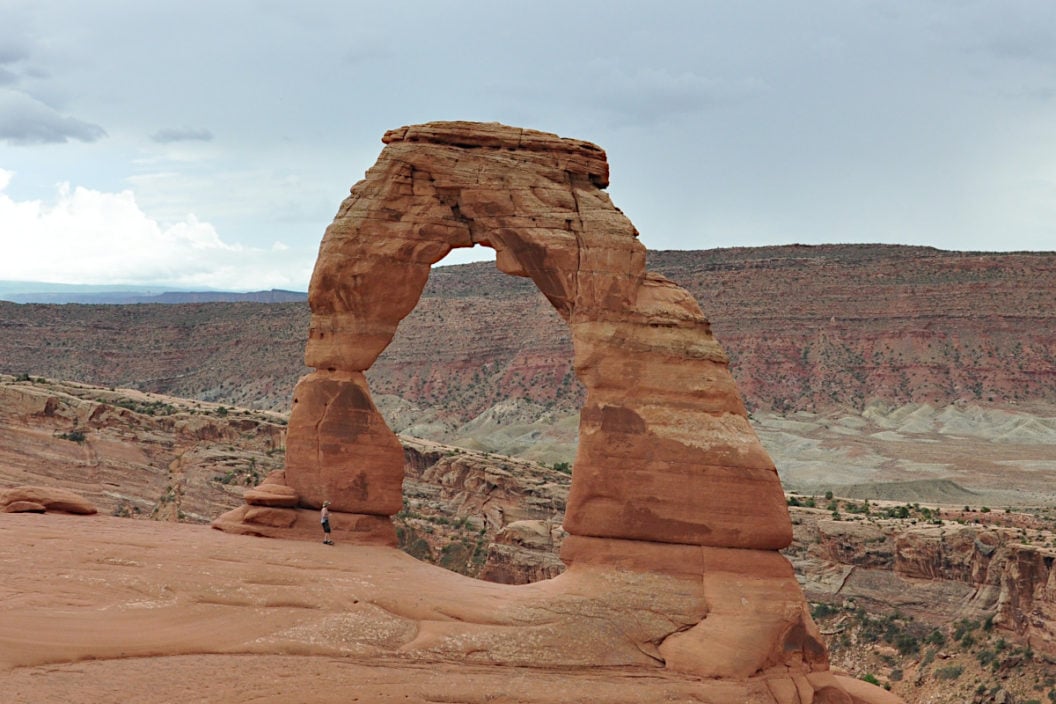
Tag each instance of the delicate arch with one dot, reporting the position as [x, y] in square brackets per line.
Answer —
[666, 452]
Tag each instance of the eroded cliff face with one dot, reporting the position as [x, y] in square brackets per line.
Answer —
[936, 573]
[131, 453]
[807, 328]
[1011, 578]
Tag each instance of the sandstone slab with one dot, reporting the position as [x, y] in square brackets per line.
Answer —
[303, 524]
[50, 498]
[24, 507]
[271, 495]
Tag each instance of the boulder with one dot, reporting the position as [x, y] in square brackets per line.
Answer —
[24, 507]
[50, 498]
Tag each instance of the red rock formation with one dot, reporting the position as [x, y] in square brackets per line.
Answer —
[665, 452]
[129, 453]
[38, 499]
[935, 573]
[1011, 579]
[670, 480]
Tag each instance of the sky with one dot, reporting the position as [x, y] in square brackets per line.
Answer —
[193, 144]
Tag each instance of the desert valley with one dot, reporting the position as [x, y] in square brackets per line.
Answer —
[906, 395]
[485, 494]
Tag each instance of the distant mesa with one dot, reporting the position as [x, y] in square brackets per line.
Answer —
[672, 494]
[934, 490]
[33, 292]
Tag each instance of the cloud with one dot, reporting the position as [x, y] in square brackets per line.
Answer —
[13, 47]
[88, 236]
[25, 120]
[642, 96]
[182, 134]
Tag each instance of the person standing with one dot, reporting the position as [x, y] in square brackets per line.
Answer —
[324, 518]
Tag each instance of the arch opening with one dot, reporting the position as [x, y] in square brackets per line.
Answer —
[502, 400]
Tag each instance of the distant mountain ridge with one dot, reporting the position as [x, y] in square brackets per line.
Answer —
[19, 292]
[806, 327]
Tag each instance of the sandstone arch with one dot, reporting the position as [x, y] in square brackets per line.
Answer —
[676, 512]
[666, 453]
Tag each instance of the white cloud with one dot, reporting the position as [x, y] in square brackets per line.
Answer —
[88, 236]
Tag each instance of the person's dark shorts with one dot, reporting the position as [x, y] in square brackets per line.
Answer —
[326, 526]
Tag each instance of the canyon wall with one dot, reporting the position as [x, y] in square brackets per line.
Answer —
[806, 328]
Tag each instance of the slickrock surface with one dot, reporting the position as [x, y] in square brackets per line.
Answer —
[136, 611]
[675, 512]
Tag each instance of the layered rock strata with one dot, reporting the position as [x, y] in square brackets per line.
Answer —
[669, 478]
[935, 573]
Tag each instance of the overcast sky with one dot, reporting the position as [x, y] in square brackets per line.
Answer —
[208, 144]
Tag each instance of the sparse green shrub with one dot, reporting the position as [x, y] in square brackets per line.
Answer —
[929, 657]
[247, 476]
[950, 672]
[936, 637]
[148, 408]
[964, 627]
[125, 509]
[454, 556]
[74, 436]
[907, 644]
[419, 549]
[821, 610]
[871, 679]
